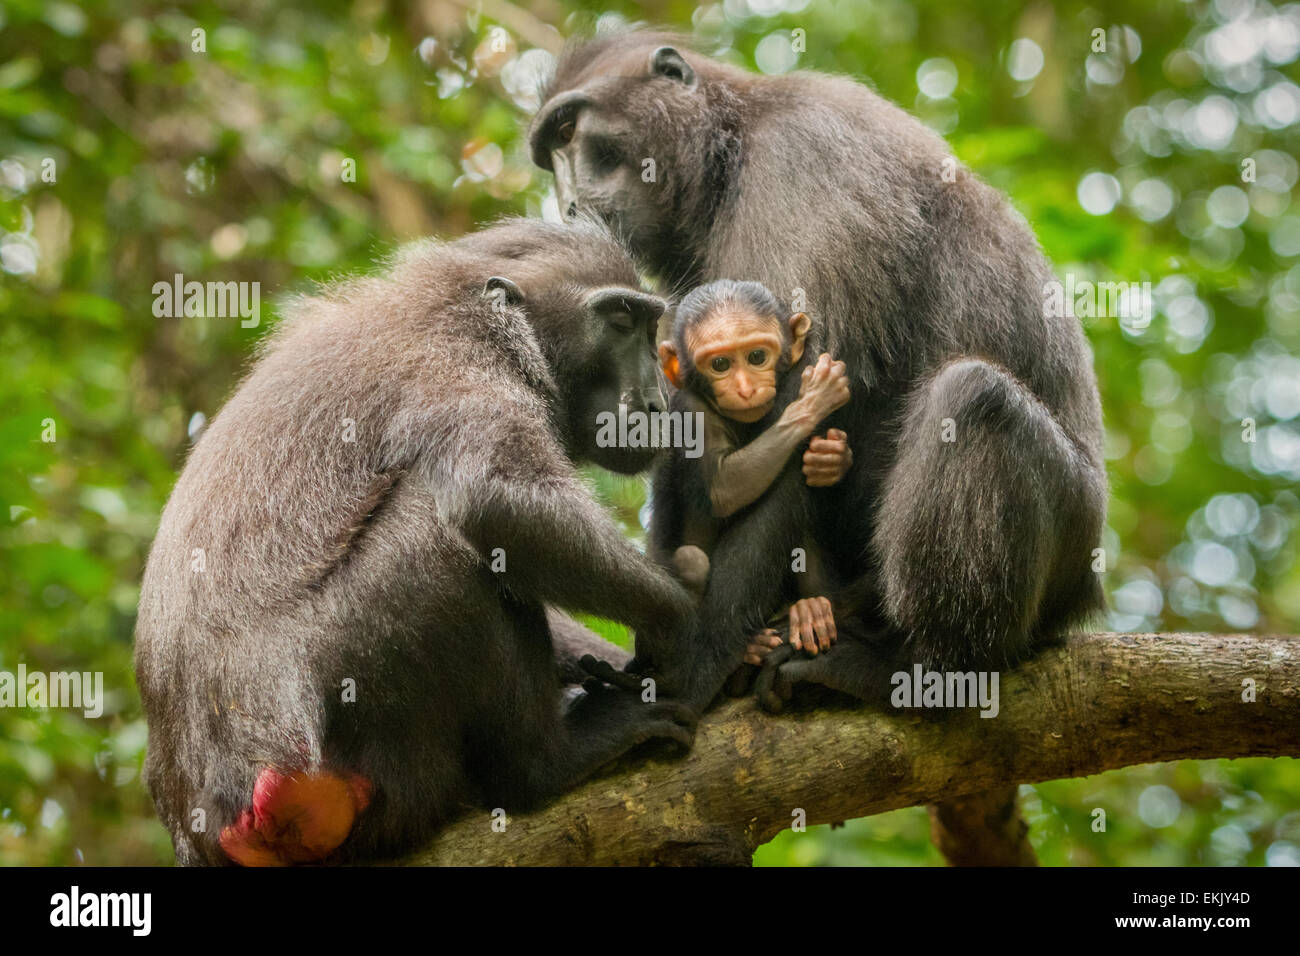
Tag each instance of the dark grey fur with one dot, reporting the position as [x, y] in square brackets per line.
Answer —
[965, 554]
[328, 560]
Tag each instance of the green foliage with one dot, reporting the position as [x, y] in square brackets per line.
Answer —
[230, 164]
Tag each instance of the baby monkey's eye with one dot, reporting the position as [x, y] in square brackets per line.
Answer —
[565, 133]
[720, 364]
[758, 356]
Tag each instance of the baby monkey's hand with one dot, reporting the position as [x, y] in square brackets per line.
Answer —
[828, 459]
[811, 629]
[762, 644]
[812, 625]
[823, 388]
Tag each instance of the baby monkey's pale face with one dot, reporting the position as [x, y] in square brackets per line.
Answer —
[737, 355]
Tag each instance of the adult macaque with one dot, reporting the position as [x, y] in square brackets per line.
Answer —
[738, 358]
[968, 538]
[342, 638]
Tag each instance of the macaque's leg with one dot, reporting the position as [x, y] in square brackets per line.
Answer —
[750, 565]
[987, 521]
[538, 752]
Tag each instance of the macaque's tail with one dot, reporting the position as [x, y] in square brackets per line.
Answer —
[296, 817]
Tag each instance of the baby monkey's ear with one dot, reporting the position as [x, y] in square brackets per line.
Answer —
[799, 326]
[668, 362]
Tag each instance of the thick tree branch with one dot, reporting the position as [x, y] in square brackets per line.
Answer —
[1102, 701]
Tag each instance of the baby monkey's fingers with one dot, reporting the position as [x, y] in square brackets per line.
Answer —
[812, 620]
[760, 645]
[828, 459]
[816, 374]
[825, 623]
[802, 635]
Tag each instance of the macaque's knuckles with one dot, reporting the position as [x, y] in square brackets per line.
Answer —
[602, 673]
[296, 817]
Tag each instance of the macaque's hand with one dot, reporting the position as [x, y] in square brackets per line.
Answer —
[812, 625]
[828, 459]
[762, 644]
[824, 388]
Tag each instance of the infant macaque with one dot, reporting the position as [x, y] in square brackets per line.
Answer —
[738, 357]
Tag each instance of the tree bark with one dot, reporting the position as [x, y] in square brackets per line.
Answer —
[1099, 702]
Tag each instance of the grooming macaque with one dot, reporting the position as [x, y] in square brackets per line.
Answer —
[959, 554]
[737, 357]
[343, 634]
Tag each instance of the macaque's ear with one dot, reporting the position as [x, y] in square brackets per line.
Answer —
[666, 61]
[668, 362]
[799, 326]
[626, 302]
[499, 287]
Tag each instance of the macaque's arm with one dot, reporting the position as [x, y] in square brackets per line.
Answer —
[740, 476]
[522, 505]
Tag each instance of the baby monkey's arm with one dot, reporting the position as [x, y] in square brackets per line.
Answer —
[742, 475]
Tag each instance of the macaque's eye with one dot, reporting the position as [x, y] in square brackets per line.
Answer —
[564, 135]
[758, 357]
[720, 364]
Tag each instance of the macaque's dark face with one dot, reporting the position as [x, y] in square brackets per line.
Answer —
[596, 329]
[620, 370]
[594, 157]
[737, 356]
[613, 135]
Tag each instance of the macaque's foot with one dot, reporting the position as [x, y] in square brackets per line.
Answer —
[812, 625]
[827, 460]
[295, 818]
[607, 710]
[691, 565]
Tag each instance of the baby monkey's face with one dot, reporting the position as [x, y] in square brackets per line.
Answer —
[737, 354]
